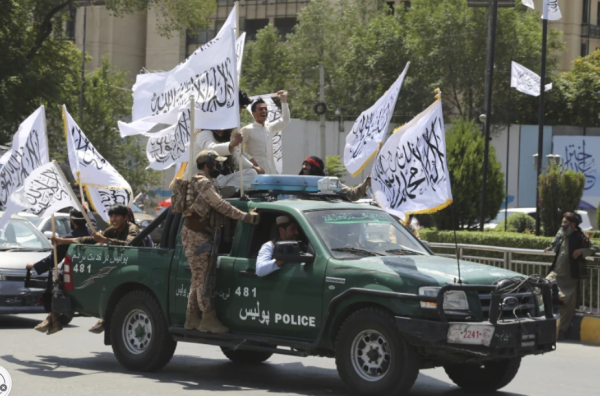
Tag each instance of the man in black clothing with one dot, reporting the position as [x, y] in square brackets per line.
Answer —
[78, 229]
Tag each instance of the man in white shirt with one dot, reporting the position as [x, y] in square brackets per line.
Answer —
[287, 231]
[222, 142]
[258, 136]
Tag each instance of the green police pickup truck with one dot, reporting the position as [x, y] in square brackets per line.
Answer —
[364, 291]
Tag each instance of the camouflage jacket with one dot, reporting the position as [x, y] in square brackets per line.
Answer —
[203, 198]
[115, 237]
[356, 193]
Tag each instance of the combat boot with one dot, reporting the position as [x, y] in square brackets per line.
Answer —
[45, 325]
[211, 324]
[192, 321]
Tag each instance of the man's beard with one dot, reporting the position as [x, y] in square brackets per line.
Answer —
[224, 137]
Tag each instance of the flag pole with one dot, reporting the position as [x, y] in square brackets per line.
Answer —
[541, 122]
[241, 151]
[74, 197]
[192, 160]
[54, 249]
[507, 145]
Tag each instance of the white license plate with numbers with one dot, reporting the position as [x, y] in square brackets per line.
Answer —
[470, 334]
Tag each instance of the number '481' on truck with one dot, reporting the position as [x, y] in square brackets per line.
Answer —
[364, 291]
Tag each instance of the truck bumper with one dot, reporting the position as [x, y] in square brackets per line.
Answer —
[512, 338]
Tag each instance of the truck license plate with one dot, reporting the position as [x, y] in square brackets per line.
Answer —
[470, 334]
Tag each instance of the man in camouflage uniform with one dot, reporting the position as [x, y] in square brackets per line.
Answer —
[314, 166]
[202, 210]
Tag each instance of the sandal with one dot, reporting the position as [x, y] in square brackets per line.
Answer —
[98, 328]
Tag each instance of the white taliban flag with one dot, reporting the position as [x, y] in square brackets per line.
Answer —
[29, 151]
[239, 51]
[410, 174]
[526, 81]
[528, 3]
[551, 10]
[91, 169]
[171, 145]
[369, 130]
[274, 115]
[43, 193]
[209, 76]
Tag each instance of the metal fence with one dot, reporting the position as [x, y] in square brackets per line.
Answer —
[528, 262]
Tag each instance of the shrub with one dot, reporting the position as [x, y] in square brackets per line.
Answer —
[465, 149]
[335, 167]
[517, 222]
[559, 191]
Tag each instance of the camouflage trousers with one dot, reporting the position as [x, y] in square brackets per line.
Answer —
[200, 265]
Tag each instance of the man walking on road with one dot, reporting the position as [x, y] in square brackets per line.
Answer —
[571, 246]
[202, 208]
[258, 136]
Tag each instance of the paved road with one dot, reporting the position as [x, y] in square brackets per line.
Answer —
[76, 362]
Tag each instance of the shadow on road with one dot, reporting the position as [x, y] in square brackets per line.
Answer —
[198, 374]
[18, 322]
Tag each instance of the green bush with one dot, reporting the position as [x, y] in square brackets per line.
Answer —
[498, 239]
[517, 222]
[465, 151]
[335, 167]
[559, 191]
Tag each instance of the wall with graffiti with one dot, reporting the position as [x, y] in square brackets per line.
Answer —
[582, 154]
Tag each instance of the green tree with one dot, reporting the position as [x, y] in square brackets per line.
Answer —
[559, 192]
[575, 98]
[107, 100]
[447, 41]
[39, 65]
[334, 166]
[464, 150]
[265, 63]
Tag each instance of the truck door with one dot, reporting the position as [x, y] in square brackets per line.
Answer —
[287, 302]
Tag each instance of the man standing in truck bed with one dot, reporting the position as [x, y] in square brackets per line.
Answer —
[202, 207]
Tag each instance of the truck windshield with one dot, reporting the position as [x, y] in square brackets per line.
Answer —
[353, 233]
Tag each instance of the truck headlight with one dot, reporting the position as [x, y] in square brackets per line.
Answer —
[454, 300]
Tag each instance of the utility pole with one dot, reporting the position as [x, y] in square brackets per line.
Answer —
[83, 63]
[491, 52]
[322, 116]
[541, 124]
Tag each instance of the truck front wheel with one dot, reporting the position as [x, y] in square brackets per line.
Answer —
[371, 356]
[141, 340]
[245, 357]
[484, 377]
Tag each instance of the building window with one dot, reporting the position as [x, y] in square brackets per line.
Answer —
[598, 15]
[584, 48]
[253, 26]
[391, 5]
[406, 5]
[70, 25]
[585, 15]
[285, 26]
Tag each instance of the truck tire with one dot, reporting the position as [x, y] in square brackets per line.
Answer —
[139, 333]
[65, 319]
[485, 377]
[241, 356]
[371, 356]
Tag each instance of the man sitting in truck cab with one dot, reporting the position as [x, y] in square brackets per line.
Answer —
[120, 233]
[287, 230]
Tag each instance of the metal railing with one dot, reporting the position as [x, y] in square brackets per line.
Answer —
[527, 262]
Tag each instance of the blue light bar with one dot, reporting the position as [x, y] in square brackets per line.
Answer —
[306, 184]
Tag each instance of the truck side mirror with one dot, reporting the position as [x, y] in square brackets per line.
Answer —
[289, 251]
[48, 234]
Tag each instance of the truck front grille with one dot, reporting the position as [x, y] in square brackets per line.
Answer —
[520, 304]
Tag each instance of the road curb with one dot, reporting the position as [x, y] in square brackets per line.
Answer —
[585, 328]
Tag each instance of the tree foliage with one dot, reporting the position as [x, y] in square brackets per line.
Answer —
[517, 222]
[334, 166]
[364, 46]
[559, 192]
[575, 97]
[465, 150]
